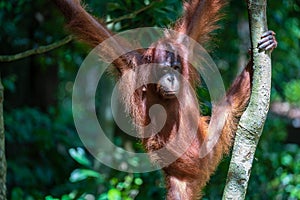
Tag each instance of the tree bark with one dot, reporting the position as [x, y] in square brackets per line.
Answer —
[36, 51]
[2, 148]
[252, 121]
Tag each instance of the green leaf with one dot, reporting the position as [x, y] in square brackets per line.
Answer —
[287, 160]
[50, 198]
[102, 197]
[114, 194]
[66, 197]
[138, 181]
[80, 156]
[17, 193]
[292, 91]
[82, 174]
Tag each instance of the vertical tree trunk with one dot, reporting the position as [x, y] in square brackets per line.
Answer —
[2, 148]
[252, 121]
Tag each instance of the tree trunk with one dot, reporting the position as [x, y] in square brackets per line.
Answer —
[2, 149]
[252, 121]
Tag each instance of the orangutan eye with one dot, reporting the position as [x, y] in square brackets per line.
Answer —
[176, 66]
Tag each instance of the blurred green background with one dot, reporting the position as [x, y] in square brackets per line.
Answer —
[45, 157]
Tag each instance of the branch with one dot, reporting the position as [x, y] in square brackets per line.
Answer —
[2, 149]
[39, 50]
[44, 49]
[131, 15]
[253, 119]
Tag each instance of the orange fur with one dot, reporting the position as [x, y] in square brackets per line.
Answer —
[200, 18]
[188, 174]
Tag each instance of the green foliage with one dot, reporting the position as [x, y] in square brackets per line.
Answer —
[82, 174]
[292, 92]
[97, 185]
[45, 160]
[284, 19]
[286, 183]
[9, 83]
[80, 156]
[42, 141]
